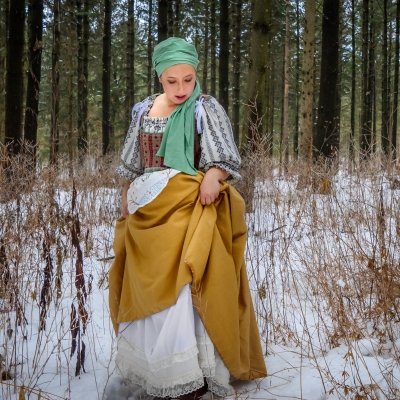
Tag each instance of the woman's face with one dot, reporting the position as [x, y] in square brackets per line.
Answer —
[178, 82]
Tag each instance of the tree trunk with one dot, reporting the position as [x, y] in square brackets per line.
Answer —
[55, 84]
[213, 50]
[106, 123]
[353, 85]
[204, 84]
[396, 82]
[237, 60]
[254, 121]
[177, 20]
[162, 32]
[223, 69]
[130, 64]
[385, 89]
[150, 49]
[327, 134]
[14, 76]
[297, 82]
[35, 32]
[162, 20]
[366, 123]
[171, 17]
[83, 59]
[284, 148]
[307, 91]
[271, 105]
[371, 77]
[3, 44]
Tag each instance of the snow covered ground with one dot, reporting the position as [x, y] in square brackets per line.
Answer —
[313, 261]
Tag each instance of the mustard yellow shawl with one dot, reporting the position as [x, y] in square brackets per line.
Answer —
[173, 241]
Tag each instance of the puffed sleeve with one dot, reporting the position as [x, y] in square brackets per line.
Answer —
[131, 165]
[218, 148]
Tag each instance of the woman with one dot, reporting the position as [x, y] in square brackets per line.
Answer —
[179, 295]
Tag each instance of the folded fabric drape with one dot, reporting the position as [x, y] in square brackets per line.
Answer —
[173, 241]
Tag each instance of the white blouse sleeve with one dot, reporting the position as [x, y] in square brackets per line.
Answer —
[131, 164]
[218, 148]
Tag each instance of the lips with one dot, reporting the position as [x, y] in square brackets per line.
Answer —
[180, 98]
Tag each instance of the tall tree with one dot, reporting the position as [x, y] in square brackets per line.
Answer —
[297, 82]
[55, 83]
[162, 31]
[149, 47]
[213, 48]
[3, 43]
[284, 142]
[177, 19]
[353, 84]
[106, 122]
[237, 61]
[366, 98]
[204, 82]
[396, 81]
[307, 91]
[171, 17]
[385, 89]
[254, 122]
[130, 63]
[326, 141]
[162, 20]
[223, 69]
[82, 26]
[35, 33]
[14, 76]
[371, 75]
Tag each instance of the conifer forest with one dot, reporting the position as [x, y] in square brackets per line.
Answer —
[311, 78]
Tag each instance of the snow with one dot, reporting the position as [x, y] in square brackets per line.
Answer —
[293, 236]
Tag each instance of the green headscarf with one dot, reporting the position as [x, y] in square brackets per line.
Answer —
[177, 145]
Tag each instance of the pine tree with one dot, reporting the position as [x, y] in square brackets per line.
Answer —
[326, 141]
[35, 33]
[106, 122]
[14, 76]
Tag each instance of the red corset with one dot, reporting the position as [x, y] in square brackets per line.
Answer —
[149, 145]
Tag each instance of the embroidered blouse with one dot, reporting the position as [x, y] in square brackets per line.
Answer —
[217, 146]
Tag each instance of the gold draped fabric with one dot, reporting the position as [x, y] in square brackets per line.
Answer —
[173, 241]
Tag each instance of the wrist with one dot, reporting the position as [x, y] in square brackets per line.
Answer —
[217, 173]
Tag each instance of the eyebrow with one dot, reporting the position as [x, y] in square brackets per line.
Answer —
[174, 77]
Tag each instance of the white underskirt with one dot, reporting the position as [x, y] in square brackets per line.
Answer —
[169, 354]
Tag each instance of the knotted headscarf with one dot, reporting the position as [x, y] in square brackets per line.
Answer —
[177, 145]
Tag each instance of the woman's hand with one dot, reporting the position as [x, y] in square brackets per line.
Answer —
[210, 186]
[124, 199]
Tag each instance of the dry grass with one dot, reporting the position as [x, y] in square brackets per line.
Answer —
[52, 222]
[323, 258]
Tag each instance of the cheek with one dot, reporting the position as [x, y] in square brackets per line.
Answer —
[190, 86]
[167, 88]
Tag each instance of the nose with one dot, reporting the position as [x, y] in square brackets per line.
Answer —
[180, 87]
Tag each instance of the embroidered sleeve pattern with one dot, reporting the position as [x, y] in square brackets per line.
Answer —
[218, 148]
[131, 163]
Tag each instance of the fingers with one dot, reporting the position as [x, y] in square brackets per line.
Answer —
[208, 198]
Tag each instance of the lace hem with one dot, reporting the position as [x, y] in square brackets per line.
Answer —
[175, 390]
[174, 386]
[219, 389]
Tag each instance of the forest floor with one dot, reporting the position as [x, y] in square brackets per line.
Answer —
[323, 264]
